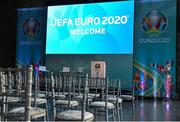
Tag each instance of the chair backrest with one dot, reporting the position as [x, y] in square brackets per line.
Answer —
[35, 89]
[78, 83]
[76, 86]
[97, 86]
[2, 81]
[85, 97]
[41, 85]
[44, 83]
[47, 79]
[62, 80]
[61, 84]
[65, 81]
[13, 86]
[52, 80]
[28, 93]
[115, 88]
[82, 80]
[58, 85]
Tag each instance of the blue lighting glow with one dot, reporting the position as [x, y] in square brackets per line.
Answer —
[96, 28]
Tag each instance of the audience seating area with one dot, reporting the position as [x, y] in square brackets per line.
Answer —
[64, 96]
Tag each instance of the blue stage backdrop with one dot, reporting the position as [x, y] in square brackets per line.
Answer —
[31, 34]
[81, 33]
[97, 28]
[155, 47]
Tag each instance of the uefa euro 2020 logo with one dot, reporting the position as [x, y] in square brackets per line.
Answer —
[154, 22]
[31, 28]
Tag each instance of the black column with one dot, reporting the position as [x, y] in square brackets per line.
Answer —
[7, 33]
[178, 50]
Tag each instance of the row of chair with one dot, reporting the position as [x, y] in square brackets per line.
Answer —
[61, 96]
[15, 95]
[101, 99]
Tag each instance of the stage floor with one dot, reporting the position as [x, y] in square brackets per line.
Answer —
[149, 110]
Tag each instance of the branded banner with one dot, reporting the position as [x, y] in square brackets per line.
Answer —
[95, 28]
[31, 30]
[155, 48]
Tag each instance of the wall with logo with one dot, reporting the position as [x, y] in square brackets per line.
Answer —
[31, 34]
[155, 48]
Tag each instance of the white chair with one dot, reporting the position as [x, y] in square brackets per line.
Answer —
[77, 115]
[114, 97]
[102, 107]
[25, 112]
[39, 98]
[61, 98]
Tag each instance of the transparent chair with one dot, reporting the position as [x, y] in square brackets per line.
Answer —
[114, 96]
[77, 115]
[62, 96]
[19, 86]
[102, 109]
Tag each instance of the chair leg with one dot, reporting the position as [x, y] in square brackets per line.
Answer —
[106, 117]
[47, 113]
[95, 114]
[133, 109]
[114, 114]
[121, 113]
[45, 118]
[117, 113]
